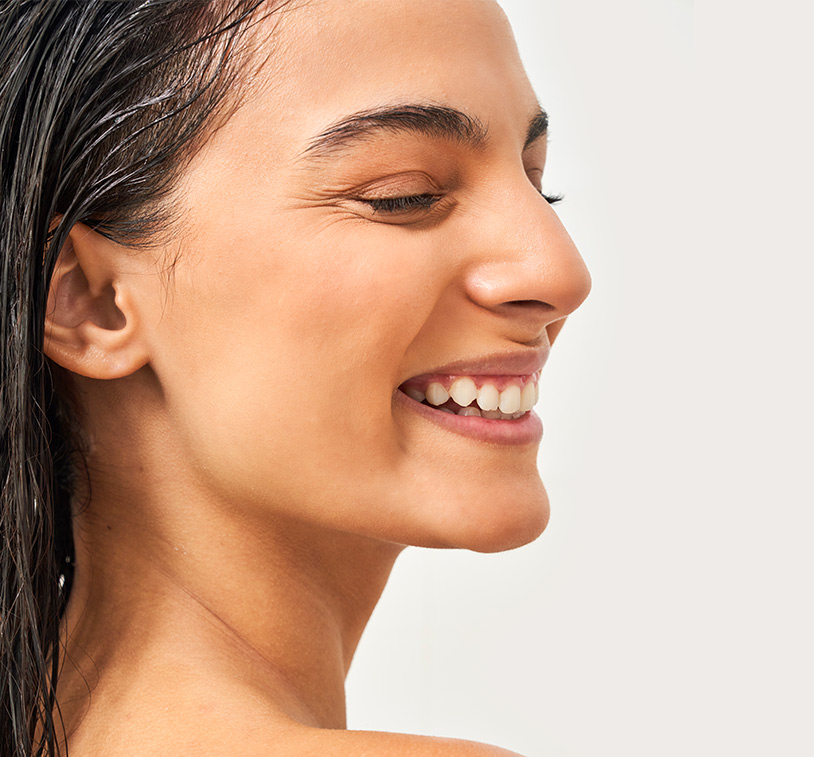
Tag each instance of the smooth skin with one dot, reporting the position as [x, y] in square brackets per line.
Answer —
[252, 478]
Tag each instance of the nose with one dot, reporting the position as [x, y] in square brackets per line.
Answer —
[525, 269]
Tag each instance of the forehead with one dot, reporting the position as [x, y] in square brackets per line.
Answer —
[328, 58]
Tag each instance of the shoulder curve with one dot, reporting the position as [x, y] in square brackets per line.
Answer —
[382, 744]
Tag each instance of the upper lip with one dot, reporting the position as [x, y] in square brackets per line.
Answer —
[497, 364]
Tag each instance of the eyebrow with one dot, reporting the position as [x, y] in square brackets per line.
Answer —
[429, 120]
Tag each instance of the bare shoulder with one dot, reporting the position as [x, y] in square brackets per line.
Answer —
[185, 726]
[303, 741]
[280, 741]
[376, 744]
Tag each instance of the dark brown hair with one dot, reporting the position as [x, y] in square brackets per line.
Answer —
[101, 103]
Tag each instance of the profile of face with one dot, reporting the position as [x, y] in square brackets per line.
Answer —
[367, 224]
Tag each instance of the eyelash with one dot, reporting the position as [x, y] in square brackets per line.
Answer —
[401, 204]
[422, 202]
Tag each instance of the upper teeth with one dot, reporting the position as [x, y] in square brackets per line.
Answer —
[510, 399]
[437, 394]
[513, 400]
[529, 396]
[488, 397]
[463, 391]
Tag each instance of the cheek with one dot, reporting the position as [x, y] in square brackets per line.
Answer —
[278, 372]
[278, 369]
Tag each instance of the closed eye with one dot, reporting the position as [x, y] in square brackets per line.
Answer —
[421, 202]
[401, 204]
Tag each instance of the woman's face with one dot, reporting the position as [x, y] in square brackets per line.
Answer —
[305, 296]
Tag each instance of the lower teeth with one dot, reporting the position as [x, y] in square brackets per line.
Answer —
[495, 415]
[475, 412]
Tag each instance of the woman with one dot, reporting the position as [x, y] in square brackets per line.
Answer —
[278, 283]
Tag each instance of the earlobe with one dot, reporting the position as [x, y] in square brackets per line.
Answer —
[91, 326]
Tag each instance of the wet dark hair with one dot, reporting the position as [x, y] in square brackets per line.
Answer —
[101, 105]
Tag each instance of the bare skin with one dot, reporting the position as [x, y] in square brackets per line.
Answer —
[252, 477]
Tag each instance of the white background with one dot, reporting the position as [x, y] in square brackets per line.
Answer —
[667, 610]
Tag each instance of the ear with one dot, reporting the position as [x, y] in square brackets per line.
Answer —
[91, 325]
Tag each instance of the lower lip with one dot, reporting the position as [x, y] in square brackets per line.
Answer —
[528, 429]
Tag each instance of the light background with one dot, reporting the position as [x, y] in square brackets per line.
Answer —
[667, 610]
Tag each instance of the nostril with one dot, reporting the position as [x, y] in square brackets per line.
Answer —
[530, 305]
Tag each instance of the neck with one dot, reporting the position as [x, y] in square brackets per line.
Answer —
[229, 601]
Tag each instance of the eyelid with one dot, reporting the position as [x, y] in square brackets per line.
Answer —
[407, 194]
[384, 197]
[407, 184]
[402, 203]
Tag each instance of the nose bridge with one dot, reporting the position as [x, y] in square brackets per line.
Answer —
[524, 256]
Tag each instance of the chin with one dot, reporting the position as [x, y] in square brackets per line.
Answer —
[498, 520]
[508, 534]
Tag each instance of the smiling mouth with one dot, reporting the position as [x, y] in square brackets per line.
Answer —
[499, 398]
